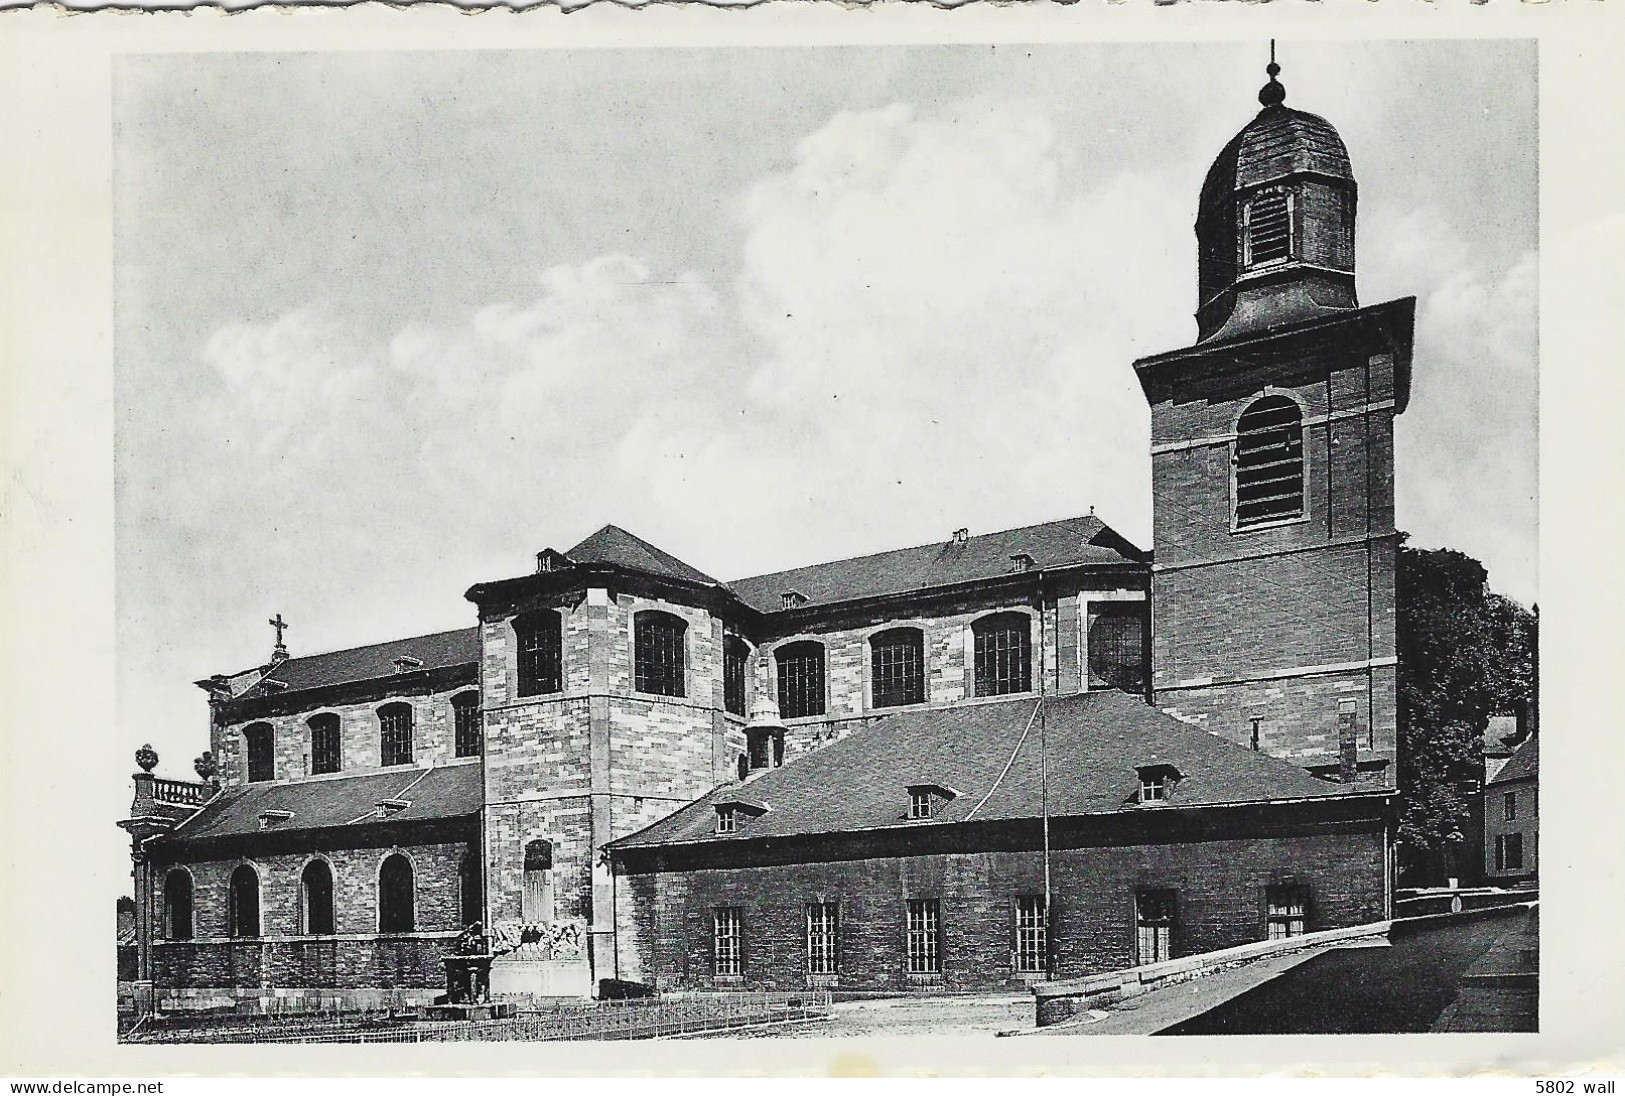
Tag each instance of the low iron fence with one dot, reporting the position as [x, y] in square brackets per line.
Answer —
[649, 1018]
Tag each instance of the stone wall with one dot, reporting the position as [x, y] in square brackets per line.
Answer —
[433, 736]
[1059, 656]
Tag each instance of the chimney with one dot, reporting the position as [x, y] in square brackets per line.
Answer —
[961, 536]
[1348, 741]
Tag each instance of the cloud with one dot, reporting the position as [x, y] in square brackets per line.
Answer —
[1467, 447]
[932, 324]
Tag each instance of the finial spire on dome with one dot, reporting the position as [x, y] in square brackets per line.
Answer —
[1272, 93]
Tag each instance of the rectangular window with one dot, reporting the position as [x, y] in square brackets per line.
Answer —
[395, 734]
[1509, 806]
[1032, 935]
[898, 667]
[924, 936]
[541, 652]
[735, 654]
[1288, 911]
[919, 804]
[1509, 852]
[1154, 926]
[1003, 654]
[324, 744]
[1116, 645]
[727, 820]
[465, 709]
[658, 654]
[801, 679]
[728, 940]
[1269, 228]
[823, 933]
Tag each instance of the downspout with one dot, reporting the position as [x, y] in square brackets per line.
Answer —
[1043, 768]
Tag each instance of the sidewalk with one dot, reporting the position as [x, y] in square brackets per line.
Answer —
[1501, 991]
[1151, 1012]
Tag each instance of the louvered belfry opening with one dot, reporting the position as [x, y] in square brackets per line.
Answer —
[1269, 228]
[1269, 462]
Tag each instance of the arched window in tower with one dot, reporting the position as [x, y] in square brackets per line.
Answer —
[395, 734]
[178, 905]
[536, 900]
[1269, 463]
[396, 900]
[260, 741]
[801, 679]
[541, 652]
[316, 899]
[735, 657]
[1267, 228]
[243, 902]
[469, 731]
[469, 888]
[658, 658]
[897, 667]
[324, 743]
[1004, 654]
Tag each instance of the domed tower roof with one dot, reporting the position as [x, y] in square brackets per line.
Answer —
[1275, 224]
[1277, 142]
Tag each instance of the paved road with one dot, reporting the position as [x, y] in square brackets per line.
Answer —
[1398, 989]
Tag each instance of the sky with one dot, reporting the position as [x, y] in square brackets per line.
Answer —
[386, 325]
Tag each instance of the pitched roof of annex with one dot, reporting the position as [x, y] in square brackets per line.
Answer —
[989, 754]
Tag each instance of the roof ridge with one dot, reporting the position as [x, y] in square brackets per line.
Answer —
[267, 666]
[922, 547]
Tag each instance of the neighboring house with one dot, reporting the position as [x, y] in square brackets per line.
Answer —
[1500, 736]
[1512, 818]
[847, 771]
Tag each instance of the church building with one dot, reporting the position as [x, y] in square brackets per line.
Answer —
[985, 760]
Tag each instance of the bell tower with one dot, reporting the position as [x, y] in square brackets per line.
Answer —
[1272, 464]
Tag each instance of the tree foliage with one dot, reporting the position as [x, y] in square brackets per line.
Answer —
[1465, 654]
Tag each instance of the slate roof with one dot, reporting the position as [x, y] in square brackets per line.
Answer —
[1069, 542]
[434, 651]
[615, 546]
[1496, 732]
[1523, 765]
[1277, 142]
[1094, 743]
[451, 791]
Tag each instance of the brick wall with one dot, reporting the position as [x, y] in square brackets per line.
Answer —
[1527, 823]
[666, 915]
[433, 737]
[1279, 624]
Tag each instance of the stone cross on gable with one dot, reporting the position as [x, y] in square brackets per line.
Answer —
[280, 625]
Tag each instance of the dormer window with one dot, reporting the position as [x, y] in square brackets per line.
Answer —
[1020, 562]
[272, 685]
[927, 800]
[790, 599]
[732, 815]
[270, 818]
[764, 748]
[1157, 783]
[1267, 229]
[387, 808]
[405, 664]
